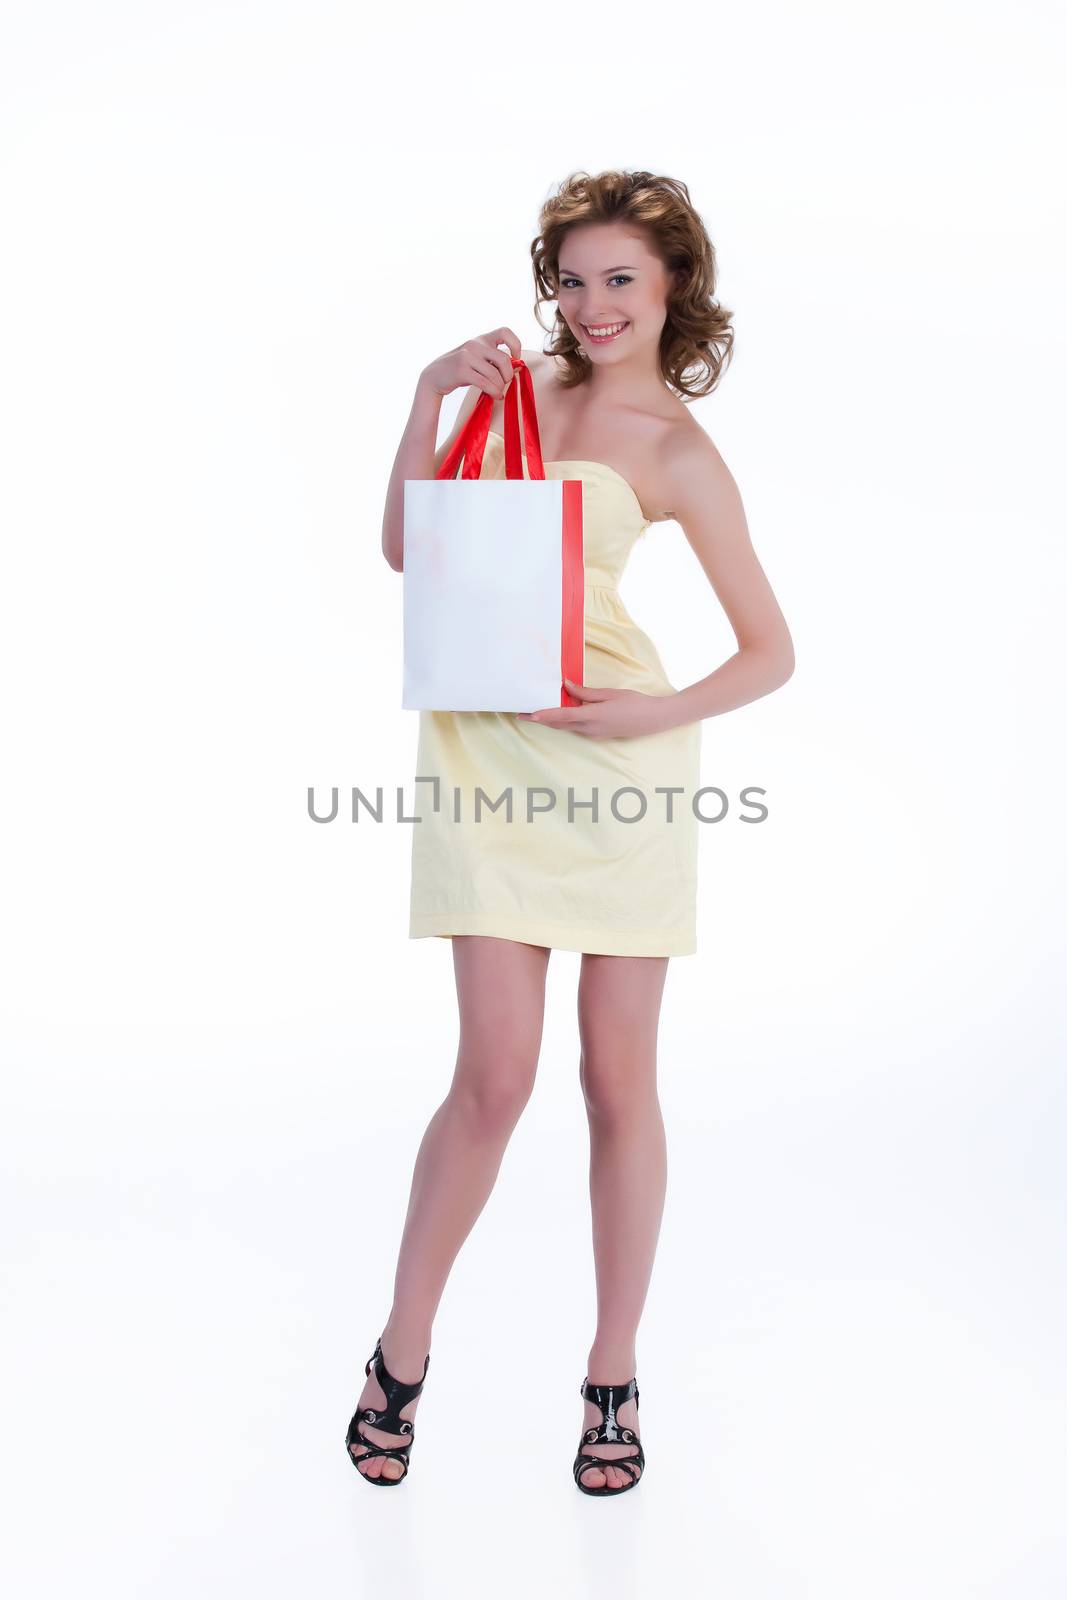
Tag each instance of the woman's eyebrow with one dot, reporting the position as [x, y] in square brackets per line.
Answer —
[571, 274]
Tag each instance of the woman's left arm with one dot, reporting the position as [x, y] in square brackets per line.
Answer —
[707, 504]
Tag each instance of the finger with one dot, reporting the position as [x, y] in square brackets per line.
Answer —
[502, 362]
[490, 373]
[588, 692]
[559, 716]
[506, 336]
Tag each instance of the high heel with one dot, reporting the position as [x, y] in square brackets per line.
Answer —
[609, 1397]
[397, 1396]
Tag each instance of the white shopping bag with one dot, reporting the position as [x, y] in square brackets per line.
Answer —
[494, 576]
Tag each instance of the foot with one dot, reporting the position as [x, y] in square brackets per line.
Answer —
[613, 1477]
[385, 1466]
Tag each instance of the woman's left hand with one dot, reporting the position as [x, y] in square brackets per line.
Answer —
[604, 713]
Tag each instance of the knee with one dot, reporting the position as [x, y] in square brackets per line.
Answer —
[618, 1085]
[492, 1091]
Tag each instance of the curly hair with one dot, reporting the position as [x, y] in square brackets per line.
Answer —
[696, 344]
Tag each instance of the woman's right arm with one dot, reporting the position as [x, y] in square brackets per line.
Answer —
[487, 369]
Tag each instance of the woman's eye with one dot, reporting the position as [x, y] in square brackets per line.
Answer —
[619, 277]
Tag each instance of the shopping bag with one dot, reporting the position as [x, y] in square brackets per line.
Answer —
[494, 574]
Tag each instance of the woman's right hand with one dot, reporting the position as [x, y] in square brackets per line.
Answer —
[477, 363]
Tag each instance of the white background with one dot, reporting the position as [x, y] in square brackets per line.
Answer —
[234, 234]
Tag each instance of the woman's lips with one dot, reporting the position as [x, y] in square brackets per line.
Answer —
[603, 338]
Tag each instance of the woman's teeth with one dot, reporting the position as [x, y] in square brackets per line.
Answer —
[609, 330]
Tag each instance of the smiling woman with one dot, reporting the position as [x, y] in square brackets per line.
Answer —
[605, 863]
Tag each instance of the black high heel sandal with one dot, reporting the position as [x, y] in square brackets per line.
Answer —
[609, 1397]
[397, 1396]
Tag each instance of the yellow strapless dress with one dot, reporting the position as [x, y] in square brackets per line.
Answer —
[620, 881]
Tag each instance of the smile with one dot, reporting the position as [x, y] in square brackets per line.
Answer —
[606, 332]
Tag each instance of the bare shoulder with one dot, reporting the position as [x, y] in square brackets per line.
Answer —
[693, 476]
[543, 368]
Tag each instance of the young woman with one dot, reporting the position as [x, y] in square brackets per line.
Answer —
[637, 332]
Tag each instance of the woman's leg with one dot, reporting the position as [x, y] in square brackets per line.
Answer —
[500, 986]
[618, 1019]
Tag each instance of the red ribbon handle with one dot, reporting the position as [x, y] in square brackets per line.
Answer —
[470, 444]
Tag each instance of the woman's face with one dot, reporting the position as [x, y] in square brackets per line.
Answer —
[609, 276]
